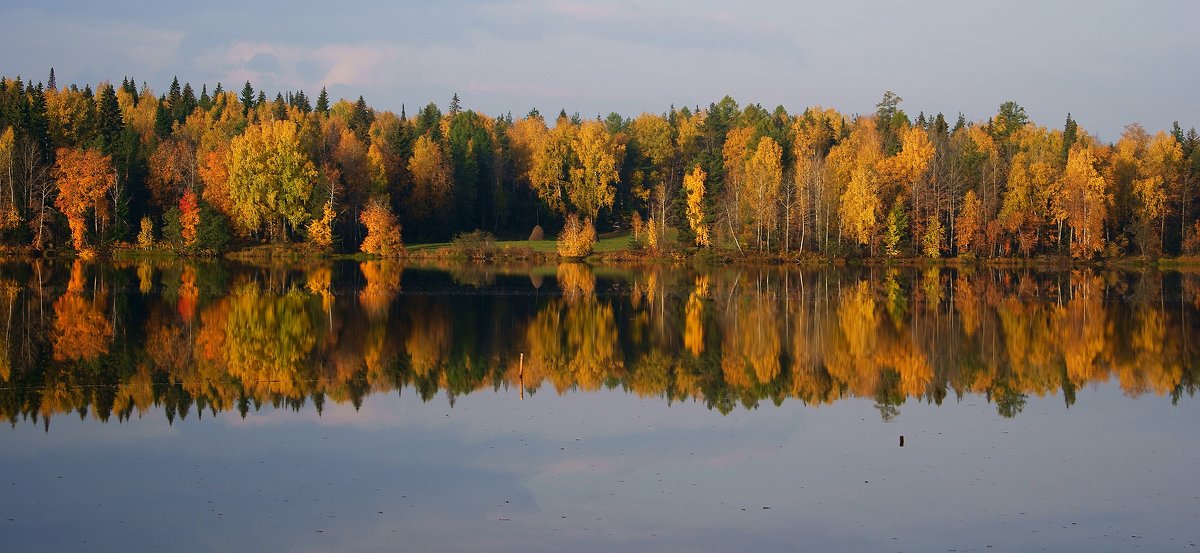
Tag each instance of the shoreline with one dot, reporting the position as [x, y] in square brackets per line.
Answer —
[504, 254]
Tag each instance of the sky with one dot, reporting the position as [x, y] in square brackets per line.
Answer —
[1108, 63]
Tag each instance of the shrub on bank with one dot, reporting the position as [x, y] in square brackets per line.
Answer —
[576, 238]
[477, 244]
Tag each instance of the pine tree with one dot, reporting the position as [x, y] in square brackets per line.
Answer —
[455, 105]
[51, 83]
[205, 100]
[217, 92]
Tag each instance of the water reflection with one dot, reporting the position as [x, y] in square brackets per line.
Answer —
[106, 340]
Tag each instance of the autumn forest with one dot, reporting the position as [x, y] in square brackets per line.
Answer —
[123, 167]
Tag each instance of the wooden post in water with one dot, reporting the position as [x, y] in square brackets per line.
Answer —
[521, 376]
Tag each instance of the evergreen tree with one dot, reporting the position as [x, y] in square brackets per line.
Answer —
[960, 123]
[162, 118]
[360, 119]
[429, 122]
[889, 121]
[205, 100]
[261, 100]
[175, 99]
[940, 127]
[187, 103]
[51, 83]
[218, 91]
[455, 105]
[1070, 135]
[279, 107]
[108, 119]
[323, 102]
[37, 122]
[247, 98]
[300, 102]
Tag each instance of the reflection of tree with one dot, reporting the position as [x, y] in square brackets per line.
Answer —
[189, 294]
[268, 339]
[8, 296]
[573, 343]
[81, 330]
[320, 282]
[383, 283]
[576, 280]
[725, 337]
[693, 333]
[429, 335]
[753, 344]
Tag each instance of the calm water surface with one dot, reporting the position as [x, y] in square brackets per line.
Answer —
[380, 407]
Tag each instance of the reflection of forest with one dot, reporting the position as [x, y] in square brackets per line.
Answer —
[106, 340]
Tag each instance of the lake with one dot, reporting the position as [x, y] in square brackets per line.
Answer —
[376, 406]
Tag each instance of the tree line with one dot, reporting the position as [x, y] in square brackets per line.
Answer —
[88, 170]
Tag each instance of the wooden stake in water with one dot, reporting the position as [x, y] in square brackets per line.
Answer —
[521, 376]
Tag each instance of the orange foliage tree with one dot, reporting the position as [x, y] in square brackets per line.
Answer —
[383, 230]
[189, 217]
[84, 177]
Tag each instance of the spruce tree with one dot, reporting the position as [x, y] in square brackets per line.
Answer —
[279, 107]
[323, 102]
[162, 118]
[300, 101]
[51, 83]
[174, 97]
[187, 103]
[1070, 135]
[205, 100]
[247, 98]
[108, 119]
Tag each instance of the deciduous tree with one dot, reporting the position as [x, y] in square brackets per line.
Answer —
[84, 178]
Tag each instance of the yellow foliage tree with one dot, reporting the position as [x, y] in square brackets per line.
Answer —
[969, 224]
[270, 177]
[1084, 201]
[576, 238]
[431, 179]
[320, 230]
[693, 184]
[591, 187]
[761, 179]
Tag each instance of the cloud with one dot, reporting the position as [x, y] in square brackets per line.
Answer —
[277, 65]
[84, 50]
